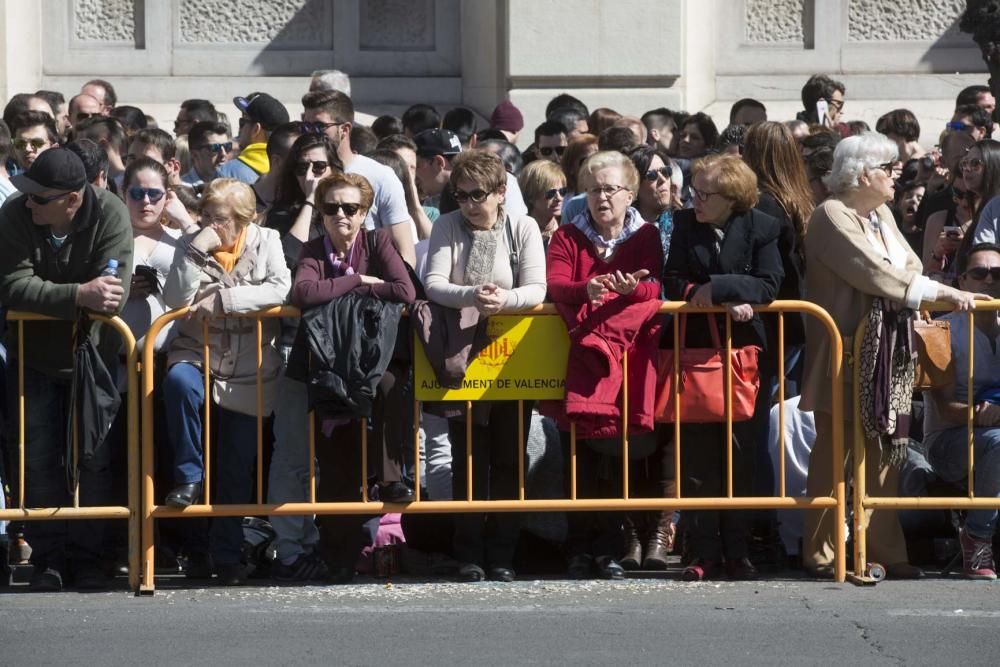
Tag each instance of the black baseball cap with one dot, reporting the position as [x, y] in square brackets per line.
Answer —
[437, 142]
[263, 109]
[54, 169]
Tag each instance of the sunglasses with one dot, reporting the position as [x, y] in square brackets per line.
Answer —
[549, 194]
[37, 144]
[318, 167]
[332, 207]
[477, 196]
[83, 115]
[888, 168]
[970, 163]
[980, 273]
[958, 126]
[549, 150]
[42, 201]
[135, 193]
[216, 148]
[317, 128]
[665, 171]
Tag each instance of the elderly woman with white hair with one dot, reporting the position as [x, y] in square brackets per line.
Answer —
[855, 254]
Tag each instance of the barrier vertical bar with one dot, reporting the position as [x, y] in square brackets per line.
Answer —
[839, 483]
[416, 449]
[677, 403]
[860, 520]
[572, 460]
[133, 462]
[260, 410]
[625, 425]
[520, 450]
[312, 456]
[729, 405]
[207, 427]
[781, 403]
[970, 405]
[76, 455]
[21, 431]
[364, 459]
[468, 450]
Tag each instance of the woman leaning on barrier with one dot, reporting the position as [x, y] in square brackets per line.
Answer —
[724, 252]
[602, 273]
[481, 259]
[231, 266]
[856, 254]
[348, 260]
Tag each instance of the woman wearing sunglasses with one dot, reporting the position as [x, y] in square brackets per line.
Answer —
[657, 197]
[855, 254]
[471, 264]
[543, 185]
[231, 267]
[980, 169]
[293, 212]
[342, 261]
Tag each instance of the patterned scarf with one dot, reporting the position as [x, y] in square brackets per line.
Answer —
[585, 223]
[482, 256]
[341, 267]
[227, 257]
[887, 376]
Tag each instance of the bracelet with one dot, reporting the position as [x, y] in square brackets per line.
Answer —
[308, 203]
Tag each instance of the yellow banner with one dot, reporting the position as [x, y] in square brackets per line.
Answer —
[527, 360]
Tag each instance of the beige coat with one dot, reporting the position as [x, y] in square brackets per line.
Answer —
[844, 273]
[260, 279]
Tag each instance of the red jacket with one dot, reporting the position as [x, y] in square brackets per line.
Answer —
[599, 336]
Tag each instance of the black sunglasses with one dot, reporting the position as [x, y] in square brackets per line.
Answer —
[317, 128]
[549, 150]
[980, 272]
[331, 208]
[42, 201]
[477, 196]
[135, 193]
[216, 148]
[549, 194]
[666, 171]
[318, 167]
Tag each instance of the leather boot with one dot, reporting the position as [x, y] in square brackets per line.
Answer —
[661, 541]
[633, 547]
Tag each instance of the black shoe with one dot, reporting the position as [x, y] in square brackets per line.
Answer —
[341, 575]
[306, 568]
[232, 574]
[502, 574]
[395, 492]
[608, 568]
[88, 576]
[184, 495]
[470, 573]
[198, 565]
[580, 567]
[46, 580]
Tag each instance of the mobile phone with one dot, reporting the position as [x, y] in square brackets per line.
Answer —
[821, 110]
[150, 276]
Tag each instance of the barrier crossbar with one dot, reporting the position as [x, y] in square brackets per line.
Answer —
[152, 511]
[862, 503]
[131, 404]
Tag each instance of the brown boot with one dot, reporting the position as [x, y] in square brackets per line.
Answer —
[661, 541]
[633, 547]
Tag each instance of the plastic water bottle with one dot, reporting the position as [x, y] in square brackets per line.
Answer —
[111, 269]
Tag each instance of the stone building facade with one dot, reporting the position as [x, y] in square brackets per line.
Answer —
[630, 55]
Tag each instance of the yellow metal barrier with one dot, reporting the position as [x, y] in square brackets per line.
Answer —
[132, 511]
[861, 501]
[151, 510]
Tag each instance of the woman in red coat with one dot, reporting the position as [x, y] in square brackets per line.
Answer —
[603, 269]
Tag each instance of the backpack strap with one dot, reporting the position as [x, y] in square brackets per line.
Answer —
[515, 257]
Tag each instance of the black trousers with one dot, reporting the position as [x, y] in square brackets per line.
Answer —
[597, 476]
[488, 540]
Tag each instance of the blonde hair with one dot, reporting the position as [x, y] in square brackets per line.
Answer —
[734, 179]
[537, 177]
[232, 193]
[604, 160]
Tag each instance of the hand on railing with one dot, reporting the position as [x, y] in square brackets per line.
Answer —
[490, 299]
[962, 300]
[740, 312]
[207, 308]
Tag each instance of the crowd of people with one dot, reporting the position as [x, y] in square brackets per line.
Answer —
[604, 215]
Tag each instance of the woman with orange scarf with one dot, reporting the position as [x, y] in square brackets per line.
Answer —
[231, 266]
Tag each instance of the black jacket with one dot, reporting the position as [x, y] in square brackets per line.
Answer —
[793, 286]
[745, 269]
[350, 340]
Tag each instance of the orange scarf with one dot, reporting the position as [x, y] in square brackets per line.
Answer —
[227, 257]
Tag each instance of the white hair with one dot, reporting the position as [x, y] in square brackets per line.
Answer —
[330, 79]
[855, 155]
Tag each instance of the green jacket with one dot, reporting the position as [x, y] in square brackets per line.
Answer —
[37, 278]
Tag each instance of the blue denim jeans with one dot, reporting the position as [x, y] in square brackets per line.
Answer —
[184, 395]
[948, 454]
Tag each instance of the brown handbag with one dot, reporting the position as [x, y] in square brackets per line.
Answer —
[932, 340]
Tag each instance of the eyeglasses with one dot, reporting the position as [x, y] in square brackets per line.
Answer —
[702, 195]
[608, 191]
[216, 148]
[42, 201]
[836, 104]
[980, 273]
[135, 193]
[970, 164]
[888, 168]
[331, 208]
[546, 151]
[665, 171]
[550, 194]
[318, 128]
[37, 144]
[959, 126]
[318, 167]
[477, 196]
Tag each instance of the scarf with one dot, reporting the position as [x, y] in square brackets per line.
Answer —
[341, 267]
[887, 376]
[227, 257]
[255, 157]
[585, 223]
[482, 256]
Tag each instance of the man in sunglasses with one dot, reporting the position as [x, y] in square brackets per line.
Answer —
[209, 144]
[946, 411]
[82, 107]
[55, 240]
[261, 115]
[34, 132]
[550, 141]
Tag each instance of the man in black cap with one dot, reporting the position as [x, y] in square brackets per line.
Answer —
[55, 240]
[435, 149]
[261, 114]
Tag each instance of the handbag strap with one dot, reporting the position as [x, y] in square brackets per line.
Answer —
[713, 324]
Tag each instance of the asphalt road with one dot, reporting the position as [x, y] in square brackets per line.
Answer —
[638, 622]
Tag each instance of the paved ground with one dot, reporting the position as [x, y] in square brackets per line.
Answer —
[638, 621]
